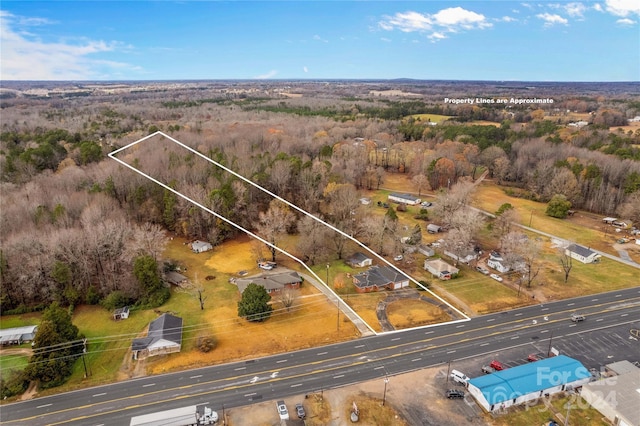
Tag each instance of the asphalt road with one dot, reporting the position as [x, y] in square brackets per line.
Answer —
[318, 369]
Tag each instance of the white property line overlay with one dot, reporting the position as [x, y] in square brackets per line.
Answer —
[113, 154]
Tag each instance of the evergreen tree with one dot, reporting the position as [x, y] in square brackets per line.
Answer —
[558, 206]
[254, 305]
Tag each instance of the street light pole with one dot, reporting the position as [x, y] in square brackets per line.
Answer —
[384, 395]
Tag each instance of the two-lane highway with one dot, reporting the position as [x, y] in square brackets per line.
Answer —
[316, 369]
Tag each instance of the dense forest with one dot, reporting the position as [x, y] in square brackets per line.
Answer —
[77, 227]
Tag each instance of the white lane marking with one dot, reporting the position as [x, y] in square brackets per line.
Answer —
[484, 344]
[599, 319]
[359, 346]
[594, 300]
[196, 377]
[618, 295]
[460, 326]
[321, 353]
[515, 337]
[428, 332]
[395, 338]
[518, 314]
[99, 394]
[378, 368]
[571, 304]
[250, 394]
[43, 406]
[240, 368]
[624, 315]
[544, 331]
[416, 359]
[544, 309]
[296, 385]
[280, 361]
[491, 319]
[450, 352]
[148, 384]
[338, 376]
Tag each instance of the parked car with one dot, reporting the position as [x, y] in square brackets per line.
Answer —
[282, 410]
[577, 317]
[455, 394]
[497, 365]
[459, 377]
[398, 257]
[267, 266]
[533, 358]
[496, 277]
[426, 204]
[488, 370]
[482, 270]
[300, 411]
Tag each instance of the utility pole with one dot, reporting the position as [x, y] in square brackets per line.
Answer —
[550, 338]
[84, 351]
[448, 370]
[384, 395]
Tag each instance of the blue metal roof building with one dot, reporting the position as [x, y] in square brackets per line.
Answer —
[528, 382]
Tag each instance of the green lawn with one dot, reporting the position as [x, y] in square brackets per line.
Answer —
[12, 362]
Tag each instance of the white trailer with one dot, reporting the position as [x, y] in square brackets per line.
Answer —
[185, 416]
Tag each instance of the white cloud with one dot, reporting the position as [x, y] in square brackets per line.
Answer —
[507, 19]
[623, 7]
[458, 17]
[550, 19]
[625, 21]
[575, 9]
[450, 20]
[527, 5]
[318, 38]
[305, 69]
[27, 57]
[407, 22]
[387, 40]
[436, 37]
[597, 7]
[266, 76]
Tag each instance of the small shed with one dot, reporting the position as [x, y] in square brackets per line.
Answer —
[121, 313]
[426, 250]
[360, 260]
[176, 278]
[17, 335]
[201, 246]
[432, 228]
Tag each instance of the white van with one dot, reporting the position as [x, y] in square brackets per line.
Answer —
[459, 377]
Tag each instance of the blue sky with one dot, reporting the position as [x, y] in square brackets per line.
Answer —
[472, 40]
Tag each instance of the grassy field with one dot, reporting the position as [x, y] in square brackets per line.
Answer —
[9, 362]
[434, 118]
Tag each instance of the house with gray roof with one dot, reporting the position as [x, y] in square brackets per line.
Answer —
[581, 253]
[378, 278]
[201, 246]
[164, 337]
[175, 278]
[407, 199]
[273, 282]
[17, 335]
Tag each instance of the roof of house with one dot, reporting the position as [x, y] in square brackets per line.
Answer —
[200, 244]
[174, 277]
[626, 388]
[440, 265]
[165, 327]
[580, 250]
[378, 276]
[270, 281]
[532, 377]
[359, 257]
[17, 333]
[404, 196]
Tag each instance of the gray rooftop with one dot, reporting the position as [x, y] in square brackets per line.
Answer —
[165, 327]
[378, 276]
[270, 281]
[581, 250]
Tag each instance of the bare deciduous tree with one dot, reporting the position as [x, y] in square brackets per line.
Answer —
[274, 224]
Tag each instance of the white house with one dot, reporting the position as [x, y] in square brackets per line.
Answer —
[164, 337]
[441, 269]
[583, 254]
[464, 257]
[498, 264]
[121, 313]
[201, 246]
[407, 199]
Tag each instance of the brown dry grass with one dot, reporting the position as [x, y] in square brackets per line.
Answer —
[372, 412]
[407, 313]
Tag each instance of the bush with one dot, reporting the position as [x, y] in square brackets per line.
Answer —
[155, 299]
[206, 343]
[115, 299]
[12, 384]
